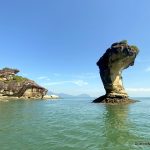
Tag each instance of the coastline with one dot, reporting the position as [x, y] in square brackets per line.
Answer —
[46, 97]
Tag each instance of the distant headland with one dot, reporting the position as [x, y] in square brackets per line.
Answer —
[14, 86]
[116, 58]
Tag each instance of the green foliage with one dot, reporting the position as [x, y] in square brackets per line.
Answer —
[134, 48]
[6, 68]
[19, 78]
[124, 42]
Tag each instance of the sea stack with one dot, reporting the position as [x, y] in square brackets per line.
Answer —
[116, 58]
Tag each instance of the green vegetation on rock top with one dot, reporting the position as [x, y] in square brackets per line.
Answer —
[134, 48]
[123, 42]
[7, 68]
[19, 78]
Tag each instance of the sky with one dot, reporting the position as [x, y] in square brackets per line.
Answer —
[58, 42]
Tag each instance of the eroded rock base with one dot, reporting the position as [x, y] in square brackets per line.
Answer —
[114, 100]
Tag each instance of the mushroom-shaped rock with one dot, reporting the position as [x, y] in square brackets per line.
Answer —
[116, 58]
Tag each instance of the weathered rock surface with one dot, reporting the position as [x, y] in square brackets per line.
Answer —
[116, 58]
[12, 85]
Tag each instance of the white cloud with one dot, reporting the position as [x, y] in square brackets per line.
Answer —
[79, 82]
[148, 69]
[138, 89]
[43, 78]
[87, 75]
[76, 82]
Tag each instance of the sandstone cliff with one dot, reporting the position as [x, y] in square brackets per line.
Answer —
[116, 58]
[12, 85]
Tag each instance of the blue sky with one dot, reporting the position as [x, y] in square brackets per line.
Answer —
[57, 42]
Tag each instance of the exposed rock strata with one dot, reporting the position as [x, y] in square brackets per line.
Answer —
[12, 86]
[116, 58]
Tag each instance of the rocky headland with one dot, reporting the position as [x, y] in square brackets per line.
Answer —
[116, 58]
[13, 86]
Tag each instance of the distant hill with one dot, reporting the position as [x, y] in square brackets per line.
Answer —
[59, 94]
[83, 95]
[50, 93]
[63, 95]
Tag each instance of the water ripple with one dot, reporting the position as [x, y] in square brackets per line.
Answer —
[72, 125]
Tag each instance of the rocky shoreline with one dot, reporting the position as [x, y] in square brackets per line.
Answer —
[46, 97]
[114, 100]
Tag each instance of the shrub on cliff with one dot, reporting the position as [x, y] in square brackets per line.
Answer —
[19, 78]
[134, 48]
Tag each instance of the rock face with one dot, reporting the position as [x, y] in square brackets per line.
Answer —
[12, 85]
[116, 58]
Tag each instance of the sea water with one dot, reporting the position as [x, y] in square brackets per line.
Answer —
[74, 124]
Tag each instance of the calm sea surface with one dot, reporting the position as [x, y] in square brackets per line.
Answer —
[74, 124]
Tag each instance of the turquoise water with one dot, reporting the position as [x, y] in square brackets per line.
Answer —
[74, 124]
